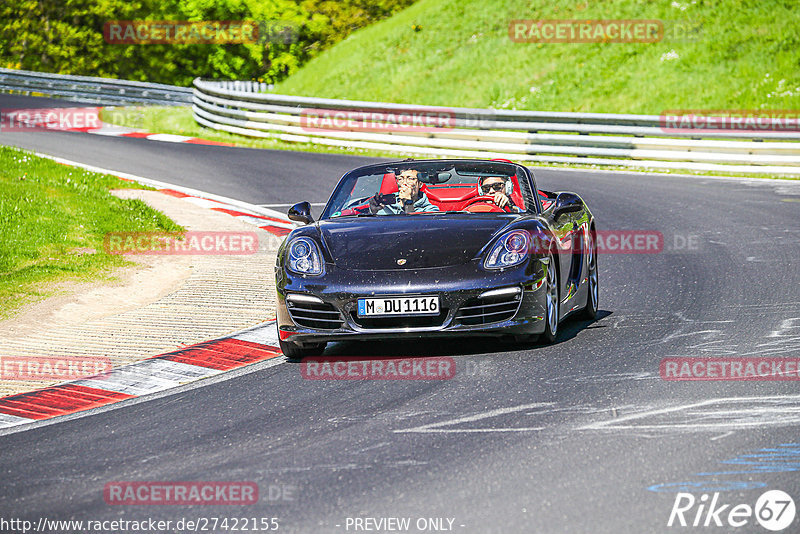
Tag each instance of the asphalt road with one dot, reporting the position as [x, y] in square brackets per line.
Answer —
[581, 436]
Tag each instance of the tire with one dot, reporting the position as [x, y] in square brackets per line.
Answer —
[295, 352]
[552, 302]
[593, 293]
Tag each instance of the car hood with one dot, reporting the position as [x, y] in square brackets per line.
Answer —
[377, 243]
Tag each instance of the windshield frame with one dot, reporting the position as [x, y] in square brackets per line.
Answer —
[524, 177]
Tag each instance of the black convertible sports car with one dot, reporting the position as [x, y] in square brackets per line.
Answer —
[432, 248]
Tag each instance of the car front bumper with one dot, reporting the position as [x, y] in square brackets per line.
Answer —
[473, 300]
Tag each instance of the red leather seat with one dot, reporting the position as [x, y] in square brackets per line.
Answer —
[452, 198]
[388, 185]
[458, 198]
[449, 198]
[516, 195]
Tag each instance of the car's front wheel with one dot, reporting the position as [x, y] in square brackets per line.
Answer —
[552, 299]
[293, 351]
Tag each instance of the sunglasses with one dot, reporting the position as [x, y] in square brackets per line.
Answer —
[493, 187]
[407, 178]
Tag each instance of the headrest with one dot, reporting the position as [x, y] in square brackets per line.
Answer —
[388, 185]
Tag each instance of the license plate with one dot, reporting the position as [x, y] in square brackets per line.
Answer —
[426, 305]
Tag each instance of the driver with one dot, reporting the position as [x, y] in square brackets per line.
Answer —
[495, 186]
[409, 198]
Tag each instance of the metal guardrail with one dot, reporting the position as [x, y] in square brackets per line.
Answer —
[92, 90]
[557, 137]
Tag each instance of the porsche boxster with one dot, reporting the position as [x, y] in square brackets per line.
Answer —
[420, 248]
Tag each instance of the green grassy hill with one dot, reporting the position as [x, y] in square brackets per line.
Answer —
[741, 55]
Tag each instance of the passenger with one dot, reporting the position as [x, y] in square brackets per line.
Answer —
[497, 187]
[409, 198]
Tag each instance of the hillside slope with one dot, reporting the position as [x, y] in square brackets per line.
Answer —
[737, 55]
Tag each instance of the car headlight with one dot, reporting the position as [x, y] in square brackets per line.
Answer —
[509, 250]
[304, 256]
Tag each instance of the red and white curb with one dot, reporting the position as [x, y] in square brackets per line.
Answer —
[156, 374]
[165, 371]
[275, 225]
[111, 130]
[86, 120]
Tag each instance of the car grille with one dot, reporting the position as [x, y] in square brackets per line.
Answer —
[322, 316]
[419, 321]
[488, 309]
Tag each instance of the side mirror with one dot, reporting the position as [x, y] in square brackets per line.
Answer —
[567, 203]
[301, 212]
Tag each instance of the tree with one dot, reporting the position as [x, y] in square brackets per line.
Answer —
[66, 36]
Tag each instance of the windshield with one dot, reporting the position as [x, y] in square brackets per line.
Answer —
[430, 188]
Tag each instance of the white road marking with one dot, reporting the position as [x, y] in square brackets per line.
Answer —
[170, 138]
[12, 420]
[437, 427]
[470, 430]
[792, 323]
[721, 436]
[611, 377]
[774, 411]
[785, 340]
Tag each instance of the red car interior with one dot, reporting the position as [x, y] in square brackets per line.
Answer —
[388, 185]
[468, 197]
[461, 197]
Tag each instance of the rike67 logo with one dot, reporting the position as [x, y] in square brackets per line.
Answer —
[774, 510]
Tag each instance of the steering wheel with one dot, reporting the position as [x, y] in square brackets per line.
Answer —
[485, 204]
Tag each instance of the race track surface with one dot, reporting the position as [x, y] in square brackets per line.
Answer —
[581, 436]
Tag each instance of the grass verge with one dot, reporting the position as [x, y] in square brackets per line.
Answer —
[53, 219]
[713, 55]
